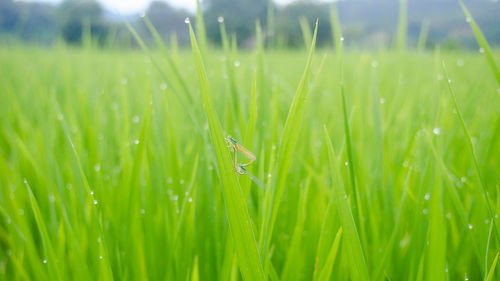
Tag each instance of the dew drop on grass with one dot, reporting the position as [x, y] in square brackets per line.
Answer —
[436, 131]
[44, 261]
[95, 202]
[481, 50]
[346, 163]
[382, 100]
[236, 63]
[100, 257]
[427, 196]
[91, 192]
[142, 14]
[97, 167]
[467, 19]
[449, 80]
[186, 20]
[440, 76]
[374, 64]
[342, 38]
[425, 211]
[470, 226]
[181, 181]
[486, 221]
[143, 211]
[135, 119]
[98, 239]
[60, 116]
[463, 179]
[190, 199]
[163, 86]
[460, 62]
[448, 215]
[136, 142]
[220, 19]
[124, 81]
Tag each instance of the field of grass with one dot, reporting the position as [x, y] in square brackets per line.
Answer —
[113, 164]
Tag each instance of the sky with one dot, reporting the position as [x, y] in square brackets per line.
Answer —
[135, 6]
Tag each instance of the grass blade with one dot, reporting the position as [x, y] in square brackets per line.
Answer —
[287, 146]
[357, 265]
[491, 273]
[483, 43]
[236, 207]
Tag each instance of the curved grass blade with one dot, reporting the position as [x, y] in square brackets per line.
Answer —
[357, 264]
[491, 273]
[483, 43]
[287, 146]
[326, 272]
[236, 206]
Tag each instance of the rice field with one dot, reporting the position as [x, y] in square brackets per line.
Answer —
[369, 165]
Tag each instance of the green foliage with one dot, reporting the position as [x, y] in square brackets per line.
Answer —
[113, 164]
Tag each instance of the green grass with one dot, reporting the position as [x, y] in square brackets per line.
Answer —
[113, 164]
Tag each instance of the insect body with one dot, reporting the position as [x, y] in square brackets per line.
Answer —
[235, 146]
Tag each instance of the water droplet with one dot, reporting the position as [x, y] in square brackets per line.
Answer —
[269, 175]
[95, 202]
[463, 179]
[446, 270]
[143, 211]
[124, 81]
[25, 181]
[186, 20]
[436, 131]
[427, 196]
[342, 38]
[427, 242]
[44, 261]
[346, 163]
[425, 211]
[374, 64]
[467, 19]
[169, 180]
[175, 197]
[220, 19]
[486, 221]
[460, 63]
[136, 142]
[382, 100]
[98, 239]
[91, 192]
[9, 221]
[163, 86]
[448, 215]
[97, 167]
[470, 226]
[135, 119]
[345, 196]
[406, 164]
[60, 116]
[181, 181]
[236, 63]
[52, 198]
[142, 14]
[481, 50]
[273, 147]
[449, 80]
[440, 76]
[190, 199]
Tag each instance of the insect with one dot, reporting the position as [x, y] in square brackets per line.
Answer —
[235, 147]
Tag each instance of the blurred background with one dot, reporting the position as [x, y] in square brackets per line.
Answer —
[366, 24]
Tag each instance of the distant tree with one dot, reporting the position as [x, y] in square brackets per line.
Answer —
[239, 16]
[37, 22]
[9, 15]
[73, 14]
[168, 20]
